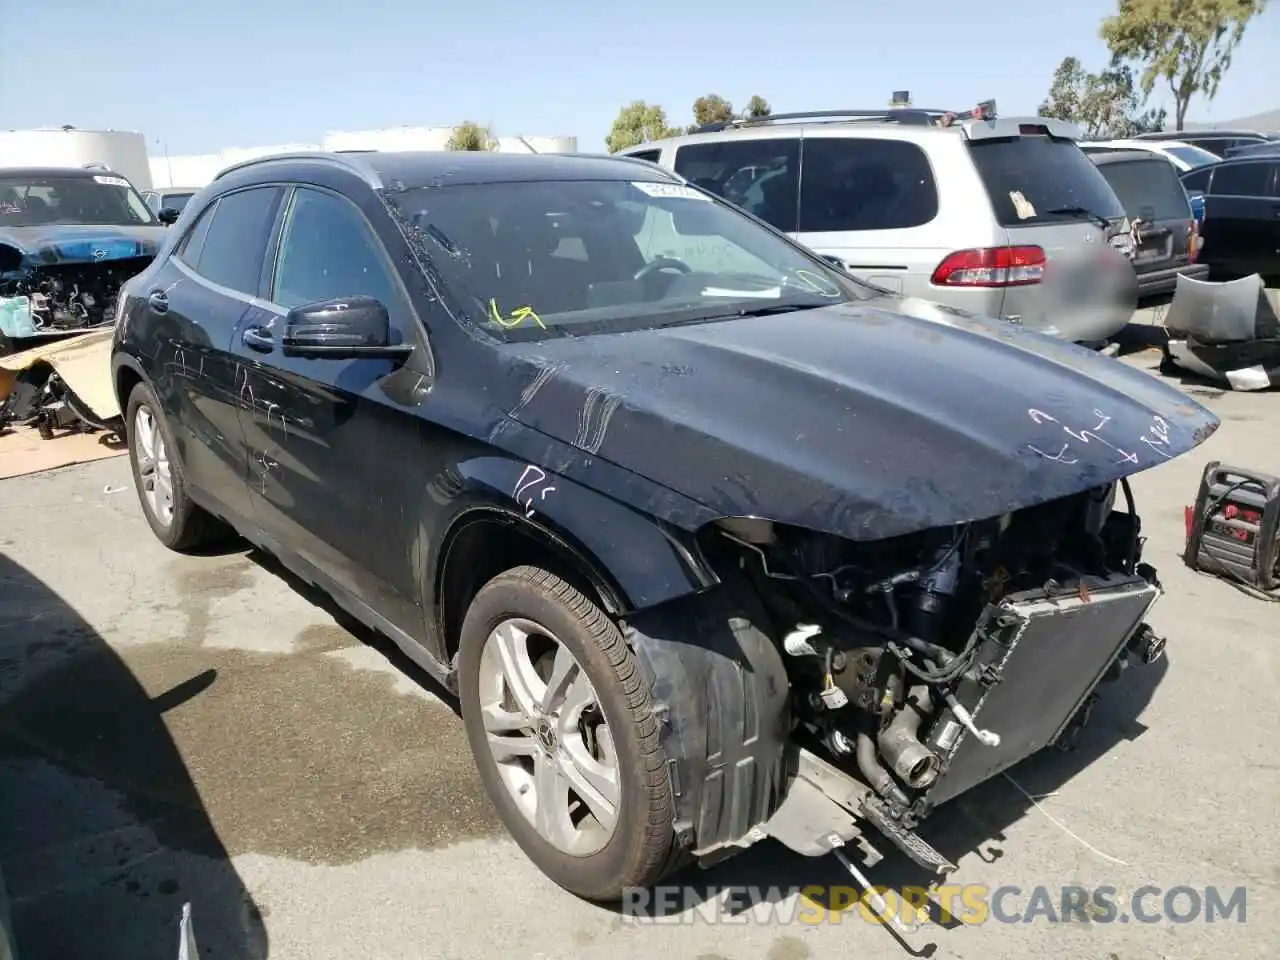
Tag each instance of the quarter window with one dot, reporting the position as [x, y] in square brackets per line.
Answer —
[760, 176]
[236, 239]
[328, 250]
[865, 184]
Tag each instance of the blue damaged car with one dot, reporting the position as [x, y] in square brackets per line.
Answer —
[69, 238]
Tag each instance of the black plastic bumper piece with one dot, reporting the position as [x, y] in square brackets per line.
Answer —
[721, 692]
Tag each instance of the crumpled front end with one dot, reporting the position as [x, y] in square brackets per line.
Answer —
[923, 665]
[66, 280]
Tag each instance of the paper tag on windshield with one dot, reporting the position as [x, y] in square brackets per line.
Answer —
[1021, 205]
[678, 190]
[111, 181]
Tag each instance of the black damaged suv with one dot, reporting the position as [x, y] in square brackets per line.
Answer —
[712, 541]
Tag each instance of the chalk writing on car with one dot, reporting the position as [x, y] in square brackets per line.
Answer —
[533, 486]
[1091, 435]
[517, 317]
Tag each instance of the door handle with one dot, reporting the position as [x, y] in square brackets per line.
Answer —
[256, 338]
[158, 300]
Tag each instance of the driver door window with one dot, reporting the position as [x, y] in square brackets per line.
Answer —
[328, 250]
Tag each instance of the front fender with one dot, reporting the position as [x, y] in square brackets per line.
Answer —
[644, 561]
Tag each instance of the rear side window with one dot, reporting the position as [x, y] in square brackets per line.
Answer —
[1149, 189]
[1040, 180]
[760, 176]
[188, 249]
[864, 184]
[236, 239]
[1198, 179]
[1242, 180]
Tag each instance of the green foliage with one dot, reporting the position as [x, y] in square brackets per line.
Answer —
[1186, 43]
[1105, 105]
[712, 108]
[638, 122]
[757, 106]
[470, 136]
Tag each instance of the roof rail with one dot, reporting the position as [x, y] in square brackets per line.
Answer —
[318, 156]
[908, 115]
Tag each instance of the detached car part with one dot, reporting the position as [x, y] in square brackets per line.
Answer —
[59, 385]
[1225, 332]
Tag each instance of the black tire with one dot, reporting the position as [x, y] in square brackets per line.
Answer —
[642, 848]
[191, 527]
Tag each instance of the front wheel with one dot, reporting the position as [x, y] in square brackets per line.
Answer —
[561, 725]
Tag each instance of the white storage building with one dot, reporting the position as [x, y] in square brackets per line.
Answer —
[198, 170]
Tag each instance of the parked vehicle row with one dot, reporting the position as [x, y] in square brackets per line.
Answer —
[713, 540]
[1165, 228]
[1218, 142]
[1242, 214]
[1004, 217]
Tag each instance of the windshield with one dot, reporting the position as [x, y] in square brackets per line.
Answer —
[174, 201]
[1039, 180]
[100, 200]
[563, 258]
[1194, 156]
[1149, 189]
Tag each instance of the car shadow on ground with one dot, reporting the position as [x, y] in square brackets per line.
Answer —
[103, 835]
[975, 823]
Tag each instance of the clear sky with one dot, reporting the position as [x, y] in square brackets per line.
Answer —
[199, 76]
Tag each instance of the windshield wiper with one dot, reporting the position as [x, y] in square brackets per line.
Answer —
[760, 311]
[1097, 218]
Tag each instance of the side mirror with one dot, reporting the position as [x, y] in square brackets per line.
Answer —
[168, 216]
[345, 328]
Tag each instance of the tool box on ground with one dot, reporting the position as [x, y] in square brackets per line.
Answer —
[1233, 531]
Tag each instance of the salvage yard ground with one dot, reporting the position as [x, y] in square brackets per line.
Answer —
[200, 729]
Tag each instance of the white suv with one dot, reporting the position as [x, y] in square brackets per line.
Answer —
[998, 216]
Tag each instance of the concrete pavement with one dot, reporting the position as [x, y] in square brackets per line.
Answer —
[202, 729]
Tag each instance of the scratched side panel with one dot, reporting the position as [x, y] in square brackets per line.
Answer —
[194, 374]
[332, 449]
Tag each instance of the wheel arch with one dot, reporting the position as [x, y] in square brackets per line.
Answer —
[126, 373]
[623, 559]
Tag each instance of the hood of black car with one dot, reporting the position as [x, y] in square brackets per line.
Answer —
[867, 420]
[82, 243]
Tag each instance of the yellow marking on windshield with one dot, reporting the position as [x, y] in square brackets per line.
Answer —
[518, 316]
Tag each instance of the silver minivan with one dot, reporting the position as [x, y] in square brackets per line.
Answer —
[999, 216]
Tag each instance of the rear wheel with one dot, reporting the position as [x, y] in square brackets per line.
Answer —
[174, 518]
[561, 724]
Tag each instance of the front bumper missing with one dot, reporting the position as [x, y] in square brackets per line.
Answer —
[1041, 655]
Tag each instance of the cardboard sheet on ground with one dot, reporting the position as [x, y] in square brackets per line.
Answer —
[83, 363]
[22, 451]
[1227, 332]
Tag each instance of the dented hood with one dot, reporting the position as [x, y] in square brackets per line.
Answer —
[81, 243]
[867, 420]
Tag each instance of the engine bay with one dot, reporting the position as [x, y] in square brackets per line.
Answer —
[69, 296]
[924, 665]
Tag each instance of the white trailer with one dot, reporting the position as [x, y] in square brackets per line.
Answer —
[122, 151]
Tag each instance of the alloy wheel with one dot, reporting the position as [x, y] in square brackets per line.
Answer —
[548, 737]
[154, 472]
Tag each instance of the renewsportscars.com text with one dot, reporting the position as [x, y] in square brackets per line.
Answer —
[946, 905]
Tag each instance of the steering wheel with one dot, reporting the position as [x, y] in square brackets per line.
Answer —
[662, 263]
